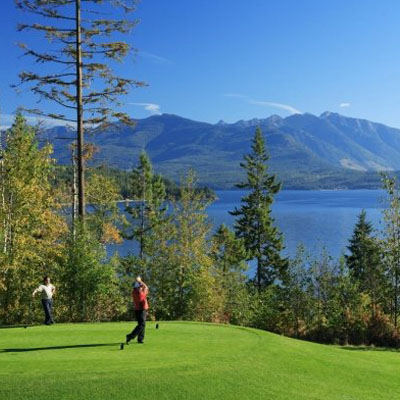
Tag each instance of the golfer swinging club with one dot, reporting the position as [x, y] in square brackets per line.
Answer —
[139, 296]
[47, 290]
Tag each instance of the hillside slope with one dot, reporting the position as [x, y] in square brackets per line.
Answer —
[187, 361]
[301, 143]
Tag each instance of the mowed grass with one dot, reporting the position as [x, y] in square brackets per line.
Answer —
[183, 360]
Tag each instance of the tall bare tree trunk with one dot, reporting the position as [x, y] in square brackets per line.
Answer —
[79, 117]
[74, 193]
[3, 199]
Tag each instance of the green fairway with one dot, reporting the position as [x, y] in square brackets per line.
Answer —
[184, 360]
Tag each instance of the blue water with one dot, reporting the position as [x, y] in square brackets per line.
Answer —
[315, 218]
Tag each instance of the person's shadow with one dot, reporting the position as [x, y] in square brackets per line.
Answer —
[75, 346]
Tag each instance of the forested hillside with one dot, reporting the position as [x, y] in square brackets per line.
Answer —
[329, 151]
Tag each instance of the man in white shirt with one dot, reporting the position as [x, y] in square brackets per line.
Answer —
[47, 291]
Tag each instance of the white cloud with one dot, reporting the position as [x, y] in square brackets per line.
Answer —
[152, 108]
[155, 58]
[6, 120]
[247, 99]
[344, 105]
[285, 107]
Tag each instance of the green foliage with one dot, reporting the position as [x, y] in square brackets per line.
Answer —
[255, 225]
[30, 228]
[105, 216]
[297, 296]
[58, 22]
[365, 262]
[148, 210]
[151, 230]
[197, 294]
[229, 256]
[192, 272]
[88, 287]
[391, 243]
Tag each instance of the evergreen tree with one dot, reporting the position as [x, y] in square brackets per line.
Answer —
[78, 77]
[147, 190]
[365, 261]
[255, 224]
[151, 228]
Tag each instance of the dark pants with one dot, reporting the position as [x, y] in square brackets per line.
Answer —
[141, 325]
[47, 306]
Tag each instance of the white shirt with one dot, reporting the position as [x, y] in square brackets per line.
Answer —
[46, 290]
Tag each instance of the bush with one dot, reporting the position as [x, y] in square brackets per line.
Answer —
[381, 331]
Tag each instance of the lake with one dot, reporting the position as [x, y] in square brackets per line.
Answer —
[323, 218]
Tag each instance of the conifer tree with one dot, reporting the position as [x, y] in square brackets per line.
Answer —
[255, 224]
[150, 227]
[228, 251]
[365, 261]
[149, 195]
[78, 77]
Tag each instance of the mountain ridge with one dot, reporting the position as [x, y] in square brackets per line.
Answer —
[298, 143]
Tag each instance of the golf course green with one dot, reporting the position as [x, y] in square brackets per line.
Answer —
[184, 360]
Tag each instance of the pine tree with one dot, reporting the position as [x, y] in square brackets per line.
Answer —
[79, 78]
[365, 261]
[228, 251]
[255, 224]
[149, 196]
[150, 227]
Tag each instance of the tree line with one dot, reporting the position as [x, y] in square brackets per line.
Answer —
[194, 272]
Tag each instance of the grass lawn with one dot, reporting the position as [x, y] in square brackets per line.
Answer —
[183, 360]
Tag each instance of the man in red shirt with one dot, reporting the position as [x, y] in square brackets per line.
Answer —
[139, 297]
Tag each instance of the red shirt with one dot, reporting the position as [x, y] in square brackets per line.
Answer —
[139, 298]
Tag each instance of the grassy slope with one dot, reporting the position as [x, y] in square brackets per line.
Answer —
[186, 361]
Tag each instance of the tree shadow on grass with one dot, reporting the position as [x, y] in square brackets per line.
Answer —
[14, 326]
[75, 346]
[369, 348]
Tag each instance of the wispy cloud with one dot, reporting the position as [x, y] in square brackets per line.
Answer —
[155, 58]
[6, 120]
[152, 108]
[344, 105]
[249, 100]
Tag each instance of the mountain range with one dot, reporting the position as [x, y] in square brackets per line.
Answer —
[299, 145]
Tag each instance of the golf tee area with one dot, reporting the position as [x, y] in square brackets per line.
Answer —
[184, 360]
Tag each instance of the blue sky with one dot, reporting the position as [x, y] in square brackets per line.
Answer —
[228, 59]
